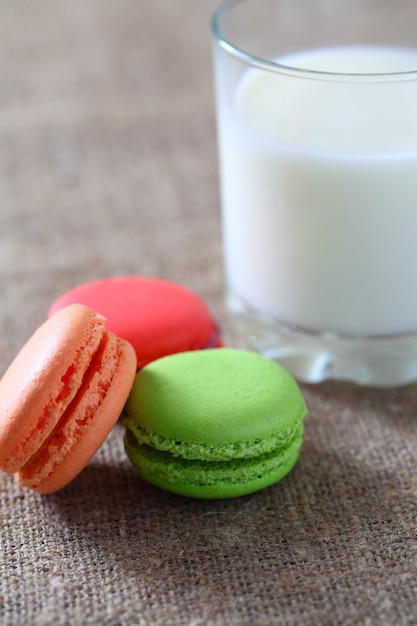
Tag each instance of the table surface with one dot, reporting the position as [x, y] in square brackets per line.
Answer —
[108, 166]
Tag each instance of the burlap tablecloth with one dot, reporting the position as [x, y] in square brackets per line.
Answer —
[108, 166]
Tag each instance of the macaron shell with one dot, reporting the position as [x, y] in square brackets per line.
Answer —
[42, 381]
[86, 424]
[215, 397]
[157, 317]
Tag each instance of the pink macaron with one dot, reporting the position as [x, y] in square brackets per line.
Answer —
[61, 396]
[157, 317]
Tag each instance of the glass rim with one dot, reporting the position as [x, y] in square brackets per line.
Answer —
[274, 66]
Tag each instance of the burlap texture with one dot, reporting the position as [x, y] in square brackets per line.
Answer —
[108, 167]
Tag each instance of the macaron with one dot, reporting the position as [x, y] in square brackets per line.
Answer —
[214, 423]
[157, 317]
[61, 396]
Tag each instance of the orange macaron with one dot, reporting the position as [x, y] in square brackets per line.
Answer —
[61, 396]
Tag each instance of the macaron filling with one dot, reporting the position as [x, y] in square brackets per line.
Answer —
[215, 452]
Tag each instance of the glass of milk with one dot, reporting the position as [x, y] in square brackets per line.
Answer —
[317, 132]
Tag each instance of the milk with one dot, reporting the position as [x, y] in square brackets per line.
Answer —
[319, 192]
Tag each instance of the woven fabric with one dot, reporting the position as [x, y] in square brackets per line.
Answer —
[108, 166]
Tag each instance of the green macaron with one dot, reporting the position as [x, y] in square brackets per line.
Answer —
[214, 423]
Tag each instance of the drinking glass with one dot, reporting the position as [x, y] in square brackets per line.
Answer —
[316, 106]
